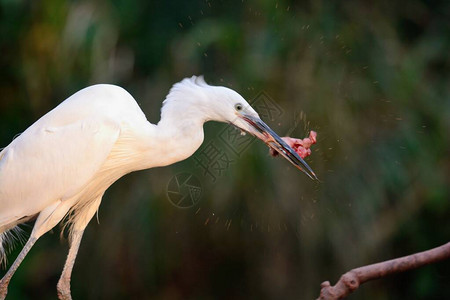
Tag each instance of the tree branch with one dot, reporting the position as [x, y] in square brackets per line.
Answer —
[351, 280]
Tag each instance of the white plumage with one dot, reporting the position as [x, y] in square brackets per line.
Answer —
[63, 163]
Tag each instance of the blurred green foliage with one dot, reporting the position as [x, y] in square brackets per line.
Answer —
[372, 78]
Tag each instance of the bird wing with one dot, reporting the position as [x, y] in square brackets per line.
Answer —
[48, 163]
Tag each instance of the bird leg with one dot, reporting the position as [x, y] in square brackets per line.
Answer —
[5, 280]
[63, 286]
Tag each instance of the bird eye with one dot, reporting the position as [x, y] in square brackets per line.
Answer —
[238, 107]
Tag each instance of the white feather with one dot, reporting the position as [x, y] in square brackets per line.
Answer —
[63, 163]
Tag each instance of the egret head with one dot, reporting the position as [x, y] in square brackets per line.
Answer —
[226, 105]
[194, 98]
[243, 116]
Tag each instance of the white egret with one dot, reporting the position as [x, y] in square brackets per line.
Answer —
[62, 164]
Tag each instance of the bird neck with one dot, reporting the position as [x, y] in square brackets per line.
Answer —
[177, 139]
[179, 133]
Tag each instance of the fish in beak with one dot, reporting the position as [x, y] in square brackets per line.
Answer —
[268, 136]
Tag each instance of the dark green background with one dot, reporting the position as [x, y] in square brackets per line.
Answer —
[371, 77]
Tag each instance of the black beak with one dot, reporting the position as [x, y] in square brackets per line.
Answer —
[269, 137]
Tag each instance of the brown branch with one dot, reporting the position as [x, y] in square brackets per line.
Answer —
[351, 280]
